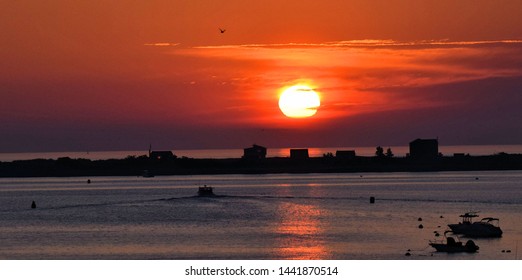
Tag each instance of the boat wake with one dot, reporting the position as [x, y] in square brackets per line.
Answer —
[218, 197]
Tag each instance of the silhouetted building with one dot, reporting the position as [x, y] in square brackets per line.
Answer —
[254, 152]
[345, 154]
[424, 148]
[299, 153]
[161, 155]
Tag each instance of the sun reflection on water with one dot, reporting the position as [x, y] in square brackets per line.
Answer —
[301, 232]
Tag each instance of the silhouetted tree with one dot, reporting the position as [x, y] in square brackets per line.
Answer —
[379, 151]
[389, 152]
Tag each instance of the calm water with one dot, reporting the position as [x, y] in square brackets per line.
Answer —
[310, 216]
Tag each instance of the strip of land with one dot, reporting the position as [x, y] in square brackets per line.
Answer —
[145, 166]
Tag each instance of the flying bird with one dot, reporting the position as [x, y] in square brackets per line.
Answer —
[222, 30]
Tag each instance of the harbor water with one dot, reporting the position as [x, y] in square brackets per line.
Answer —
[274, 216]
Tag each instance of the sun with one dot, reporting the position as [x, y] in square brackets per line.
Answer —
[299, 101]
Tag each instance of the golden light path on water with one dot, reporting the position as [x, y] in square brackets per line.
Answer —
[301, 230]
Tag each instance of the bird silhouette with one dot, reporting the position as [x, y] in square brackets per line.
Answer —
[222, 30]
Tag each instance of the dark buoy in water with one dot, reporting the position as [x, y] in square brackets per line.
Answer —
[441, 217]
[421, 226]
[88, 181]
[33, 205]
[407, 254]
[372, 199]
[419, 219]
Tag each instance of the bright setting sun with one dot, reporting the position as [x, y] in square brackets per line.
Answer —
[299, 101]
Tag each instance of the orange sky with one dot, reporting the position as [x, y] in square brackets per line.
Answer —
[118, 75]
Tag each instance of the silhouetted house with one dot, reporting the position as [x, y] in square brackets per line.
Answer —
[161, 155]
[424, 148]
[345, 154]
[254, 152]
[299, 153]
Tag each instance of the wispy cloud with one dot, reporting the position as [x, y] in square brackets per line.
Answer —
[365, 44]
[162, 44]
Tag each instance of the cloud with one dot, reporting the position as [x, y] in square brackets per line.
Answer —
[367, 44]
[162, 44]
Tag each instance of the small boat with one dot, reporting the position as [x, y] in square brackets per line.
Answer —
[206, 191]
[147, 174]
[454, 245]
[486, 227]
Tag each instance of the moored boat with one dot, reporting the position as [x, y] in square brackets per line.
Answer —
[452, 244]
[486, 227]
[147, 174]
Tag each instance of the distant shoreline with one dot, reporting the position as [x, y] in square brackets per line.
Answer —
[138, 166]
[364, 151]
